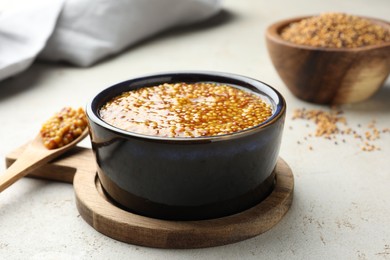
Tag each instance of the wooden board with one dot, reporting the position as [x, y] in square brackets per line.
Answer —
[62, 169]
[79, 166]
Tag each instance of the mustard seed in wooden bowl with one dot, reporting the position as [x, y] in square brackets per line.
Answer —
[186, 110]
[336, 30]
[332, 58]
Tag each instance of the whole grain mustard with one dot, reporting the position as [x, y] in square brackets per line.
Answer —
[186, 110]
[63, 127]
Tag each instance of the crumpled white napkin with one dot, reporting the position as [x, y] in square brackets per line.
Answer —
[24, 32]
[83, 32]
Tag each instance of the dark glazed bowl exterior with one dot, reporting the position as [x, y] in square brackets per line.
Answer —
[187, 178]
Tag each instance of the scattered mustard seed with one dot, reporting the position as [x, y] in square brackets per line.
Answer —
[331, 124]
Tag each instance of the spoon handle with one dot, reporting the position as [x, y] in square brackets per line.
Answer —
[33, 157]
[28, 161]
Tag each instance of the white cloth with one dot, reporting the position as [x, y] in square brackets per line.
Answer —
[83, 32]
[24, 32]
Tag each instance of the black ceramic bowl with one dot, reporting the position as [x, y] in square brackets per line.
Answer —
[187, 178]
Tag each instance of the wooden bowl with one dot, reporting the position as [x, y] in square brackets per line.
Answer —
[328, 75]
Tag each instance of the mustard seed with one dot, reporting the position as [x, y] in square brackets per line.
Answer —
[330, 125]
[336, 30]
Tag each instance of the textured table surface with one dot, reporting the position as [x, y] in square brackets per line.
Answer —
[341, 207]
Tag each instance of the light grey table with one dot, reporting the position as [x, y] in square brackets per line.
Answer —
[341, 207]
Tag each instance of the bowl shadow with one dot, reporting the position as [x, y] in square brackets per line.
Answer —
[378, 103]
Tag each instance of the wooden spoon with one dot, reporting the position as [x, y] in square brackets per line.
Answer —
[34, 156]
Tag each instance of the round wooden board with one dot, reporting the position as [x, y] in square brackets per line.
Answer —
[124, 226]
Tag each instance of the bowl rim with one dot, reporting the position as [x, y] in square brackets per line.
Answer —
[262, 88]
[274, 29]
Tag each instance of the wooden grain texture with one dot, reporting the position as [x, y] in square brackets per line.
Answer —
[60, 169]
[328, 75]
[116, 223]
[79, 165]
